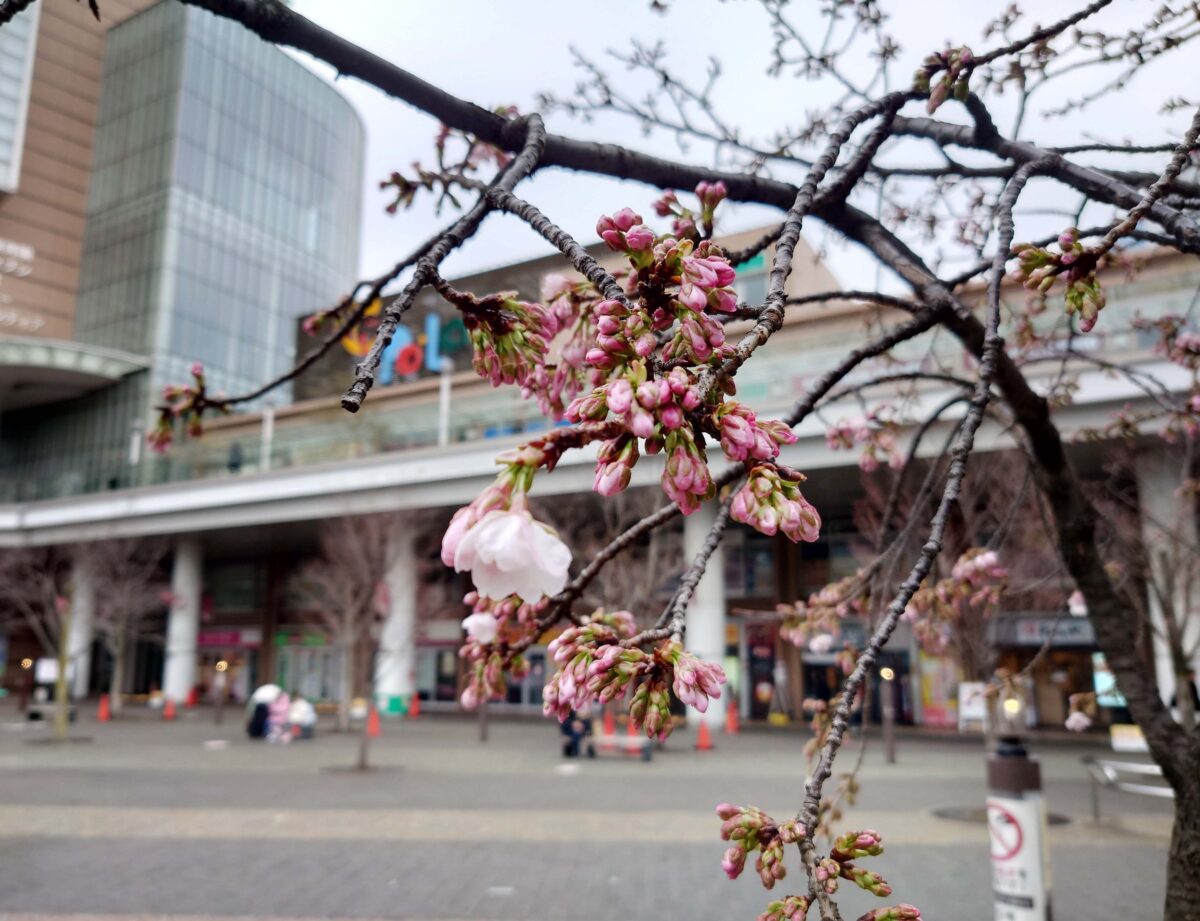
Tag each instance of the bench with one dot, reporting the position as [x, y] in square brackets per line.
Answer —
[632, 745]
[1126, 776]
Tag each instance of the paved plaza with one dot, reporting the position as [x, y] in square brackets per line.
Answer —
[190, 819]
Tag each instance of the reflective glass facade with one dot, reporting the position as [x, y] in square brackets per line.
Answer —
[225, 201]
[17, 40]
[224, 204]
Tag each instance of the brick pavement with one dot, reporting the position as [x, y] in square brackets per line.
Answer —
[148, 820]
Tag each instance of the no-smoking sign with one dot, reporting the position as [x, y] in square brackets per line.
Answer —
[1019, 878]
[1005, 831]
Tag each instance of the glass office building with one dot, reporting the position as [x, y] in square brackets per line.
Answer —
[224, 203]
[17, 42]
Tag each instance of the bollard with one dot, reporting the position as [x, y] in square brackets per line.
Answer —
[1016, 817]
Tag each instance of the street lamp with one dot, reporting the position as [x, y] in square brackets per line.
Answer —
[1016, 817]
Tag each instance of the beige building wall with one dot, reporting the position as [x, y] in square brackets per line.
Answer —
[41, 224]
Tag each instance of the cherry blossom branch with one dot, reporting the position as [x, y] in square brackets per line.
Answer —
[771, 318]
[374, 290]
[10, 9]
[1178, 159]
[517, 169]
[1039, 35]
[922, 322]
[588, 267]
[930, 550]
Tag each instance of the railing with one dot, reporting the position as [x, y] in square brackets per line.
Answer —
[1113, 774]
[407, 418]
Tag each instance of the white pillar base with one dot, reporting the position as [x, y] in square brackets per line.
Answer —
[395, 664]
[183, 620]
[705, 636]
[83, 614]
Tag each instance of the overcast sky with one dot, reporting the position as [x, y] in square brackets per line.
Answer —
[497, 53]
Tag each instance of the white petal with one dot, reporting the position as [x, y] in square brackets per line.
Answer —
[492, 582]
[510, 542]
[550, 553]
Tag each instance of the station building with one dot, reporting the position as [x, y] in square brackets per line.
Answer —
[198, 215]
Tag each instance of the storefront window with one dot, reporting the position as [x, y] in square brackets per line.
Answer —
[749, 564]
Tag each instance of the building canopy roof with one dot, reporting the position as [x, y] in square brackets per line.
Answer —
[37, 372]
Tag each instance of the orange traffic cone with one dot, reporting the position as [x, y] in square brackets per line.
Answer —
[373, 723]
[193, 698]
[169, 708]
[732, 725]
[704, 742]
[610, 723]
[103, 710]
[414, 706]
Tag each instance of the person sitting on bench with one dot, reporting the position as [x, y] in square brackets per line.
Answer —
[576, 727]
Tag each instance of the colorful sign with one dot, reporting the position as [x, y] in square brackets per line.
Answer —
[939, 681]
[414, 348]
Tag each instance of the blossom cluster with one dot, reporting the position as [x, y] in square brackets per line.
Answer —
[684, 224]
[1038, 267]
[771, 502]
[749, 829]
[494, 628]
[1082, 710]
[815, 623]
[186, 403]
[596, 666]
[636, 358]
[875, 434]
[972, 590]
[506, 550]
[509, 339]
[789, 908]
[955, 66]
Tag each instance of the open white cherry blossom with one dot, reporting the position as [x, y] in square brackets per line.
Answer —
[509, 553]
[482, 627]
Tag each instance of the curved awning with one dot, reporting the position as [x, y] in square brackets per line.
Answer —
[35, 372]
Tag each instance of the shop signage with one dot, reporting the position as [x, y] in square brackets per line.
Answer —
[418, 347]
[286, 638]
[1035, 631]
[247, 638]
[16, 260]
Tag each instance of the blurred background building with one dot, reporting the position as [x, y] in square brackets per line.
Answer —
[202, 193]
[174, 191]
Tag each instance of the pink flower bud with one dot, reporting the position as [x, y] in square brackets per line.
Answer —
[619, 396]
[672, 417]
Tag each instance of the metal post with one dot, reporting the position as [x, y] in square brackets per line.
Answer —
[443, 433]
[887, 691]
[483, 720]
[1016, 815]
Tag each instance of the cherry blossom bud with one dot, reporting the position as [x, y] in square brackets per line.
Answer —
[672, 417]
[619, 396]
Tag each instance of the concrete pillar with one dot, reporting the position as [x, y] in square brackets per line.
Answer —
[395, 664]
[705, 637]
[183, 621]
[83, 616]
[1168, 530]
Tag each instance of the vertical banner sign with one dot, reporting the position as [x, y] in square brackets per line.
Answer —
[1020, 876]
